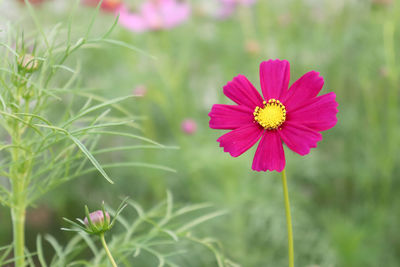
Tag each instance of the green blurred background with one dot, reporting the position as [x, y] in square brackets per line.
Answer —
[344, 194]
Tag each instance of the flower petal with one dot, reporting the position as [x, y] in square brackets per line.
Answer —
[299, 138]
[238, 141]
[274, 78]
[304, 89]
[230, 117]
[318, 114]
[174, 13]
[241, 91]
[131, 21]
[269, 155]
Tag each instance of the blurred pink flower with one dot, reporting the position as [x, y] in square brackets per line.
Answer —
[382, 2]
[154, 15]
[140, 90]
[229, 6]
[189, 126]
[106, 5]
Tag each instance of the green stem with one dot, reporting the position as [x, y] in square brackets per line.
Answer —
[288, 219]
[19, 201]
[18, 221]
[110, 257]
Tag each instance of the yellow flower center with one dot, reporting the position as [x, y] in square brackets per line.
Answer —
[272, 115]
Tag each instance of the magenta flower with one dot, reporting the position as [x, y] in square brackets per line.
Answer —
[294, 116]
[154, 15]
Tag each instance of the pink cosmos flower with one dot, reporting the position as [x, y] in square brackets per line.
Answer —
[189, 126]
[294, 116]
[229, 6]
[154, 15]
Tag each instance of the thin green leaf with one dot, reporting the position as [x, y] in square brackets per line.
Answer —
[125, 45]
[200, 220]
[39, 248]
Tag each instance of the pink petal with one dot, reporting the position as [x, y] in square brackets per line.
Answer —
[230, 116]
[318, 113]
[269, 155]
[151, 14]
[238, 141]
[131, 21]
[299, 138]
[274, 78]
[174, 13]
[304, 89]
[241, 91]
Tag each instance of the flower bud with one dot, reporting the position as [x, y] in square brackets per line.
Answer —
[97, 219]
[28, 63]
[140, 90]
[189, 126]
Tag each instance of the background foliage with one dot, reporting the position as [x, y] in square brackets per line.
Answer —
[344, 194]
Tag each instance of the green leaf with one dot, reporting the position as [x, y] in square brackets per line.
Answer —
[92, 159]
[83, 148]
[200, 220]
[39, 248]
[99, 106]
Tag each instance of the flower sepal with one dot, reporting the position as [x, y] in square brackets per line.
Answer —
[28, 63]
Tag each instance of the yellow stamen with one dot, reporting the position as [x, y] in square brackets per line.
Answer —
[272, 115]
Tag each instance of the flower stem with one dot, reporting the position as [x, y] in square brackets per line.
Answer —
[18, 221]
[288, 219]
[18, 174]
[110, 257]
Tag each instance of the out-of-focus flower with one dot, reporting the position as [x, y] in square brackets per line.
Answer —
[154, 15]
[294, 116]
[140, 90]
[229, 6]
[106, 5]
[382, 2]
[189, 126]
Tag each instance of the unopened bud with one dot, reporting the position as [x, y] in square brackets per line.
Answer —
[97, 219]
[140, 91]
[28, 63]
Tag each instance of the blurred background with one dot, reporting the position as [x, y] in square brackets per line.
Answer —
[344, 194]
